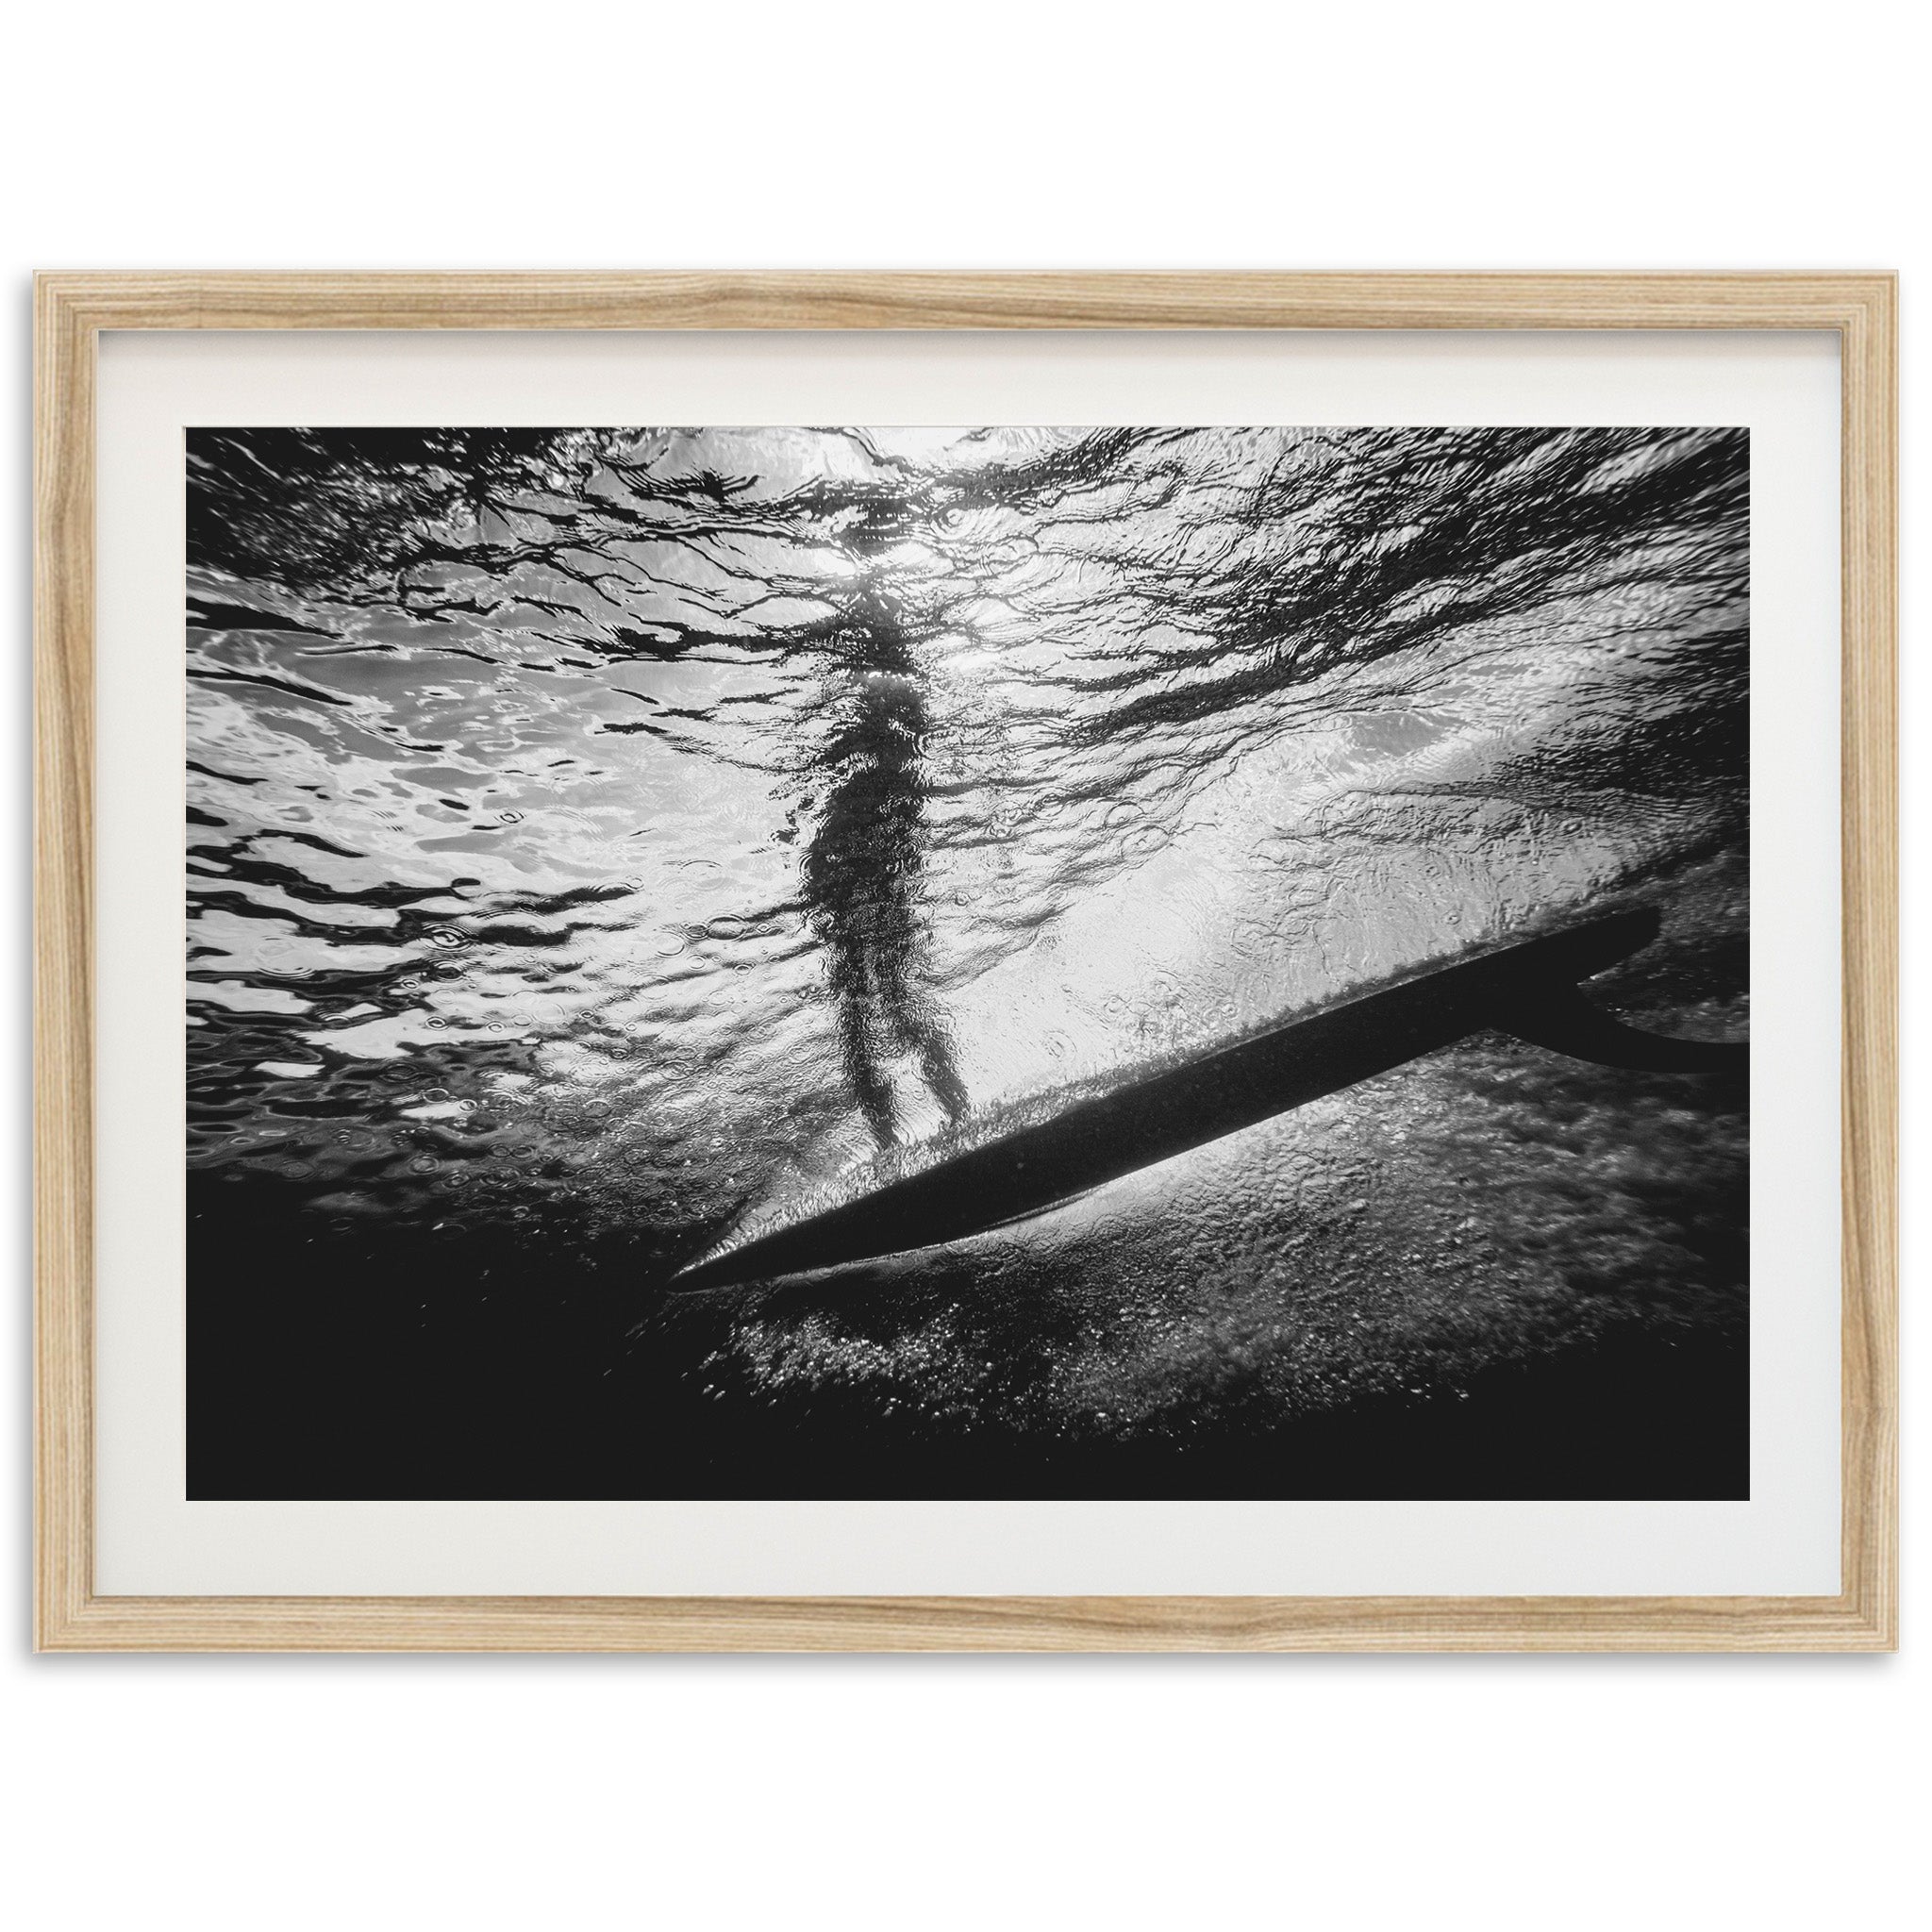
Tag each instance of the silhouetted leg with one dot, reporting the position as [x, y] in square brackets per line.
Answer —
[871, 1087]
[936, 1064]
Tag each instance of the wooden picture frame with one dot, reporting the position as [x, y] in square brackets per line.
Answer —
[73, 311]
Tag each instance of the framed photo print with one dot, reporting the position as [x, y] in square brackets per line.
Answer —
[893, 962]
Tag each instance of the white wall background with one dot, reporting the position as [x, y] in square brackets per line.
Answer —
[562, 1792]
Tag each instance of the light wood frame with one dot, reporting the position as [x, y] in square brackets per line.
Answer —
[72, 309]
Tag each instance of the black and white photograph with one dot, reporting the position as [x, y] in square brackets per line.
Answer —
[1009, 962]
[967, 968]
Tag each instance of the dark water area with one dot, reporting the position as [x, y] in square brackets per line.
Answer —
[606, 842]
[469, 1364]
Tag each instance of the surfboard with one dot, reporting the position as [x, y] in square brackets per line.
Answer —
[1527, 988]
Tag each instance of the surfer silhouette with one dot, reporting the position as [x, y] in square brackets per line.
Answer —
[863, 868]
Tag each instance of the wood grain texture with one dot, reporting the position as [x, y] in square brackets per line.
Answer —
[969, 1623]
[63, 962]
[1868, 727]
[72, 308]
[702, 300]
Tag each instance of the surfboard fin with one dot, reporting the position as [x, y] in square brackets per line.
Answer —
[1561, 1019]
